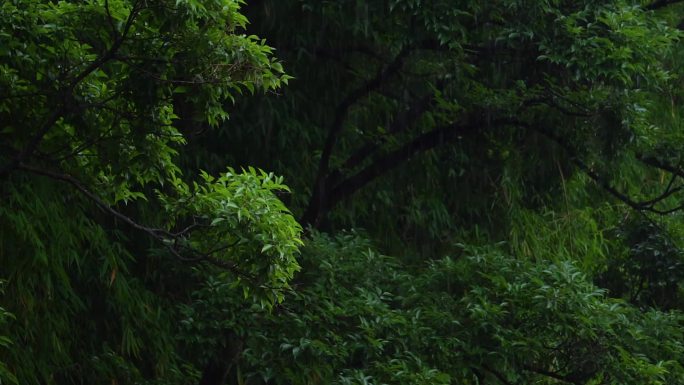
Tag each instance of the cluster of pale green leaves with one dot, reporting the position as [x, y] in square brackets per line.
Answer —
[236, 220]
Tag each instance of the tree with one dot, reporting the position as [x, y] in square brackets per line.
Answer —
[517, 161]
[480, 88]
[100, 232]
[547, 129]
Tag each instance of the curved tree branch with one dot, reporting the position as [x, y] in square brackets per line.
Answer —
[395, 158]
[168, 239]
[319, 192]
[641, 206]
[400, 123]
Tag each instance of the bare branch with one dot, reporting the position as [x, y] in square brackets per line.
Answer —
[669, 190]
[652, 161]
[364, 90]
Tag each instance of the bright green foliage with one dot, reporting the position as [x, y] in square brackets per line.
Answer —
[101, 83]
[98, 228]
[606, 44]
[242, 217]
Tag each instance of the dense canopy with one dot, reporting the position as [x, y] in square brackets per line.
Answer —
[313, 192]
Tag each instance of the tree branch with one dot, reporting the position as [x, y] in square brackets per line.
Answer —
[400, 123]
[168, 239]
[652, 161]
[393, 159]
[154, 232]
[548, 101]
[59, 110]
[553, 375]
[669, 190]
[343, 108]
[647, 205]
[111, 52]
[318, 196]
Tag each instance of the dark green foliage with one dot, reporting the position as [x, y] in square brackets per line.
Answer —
[515, 166]
[424, 108]
[479, 317]
[651, 271]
